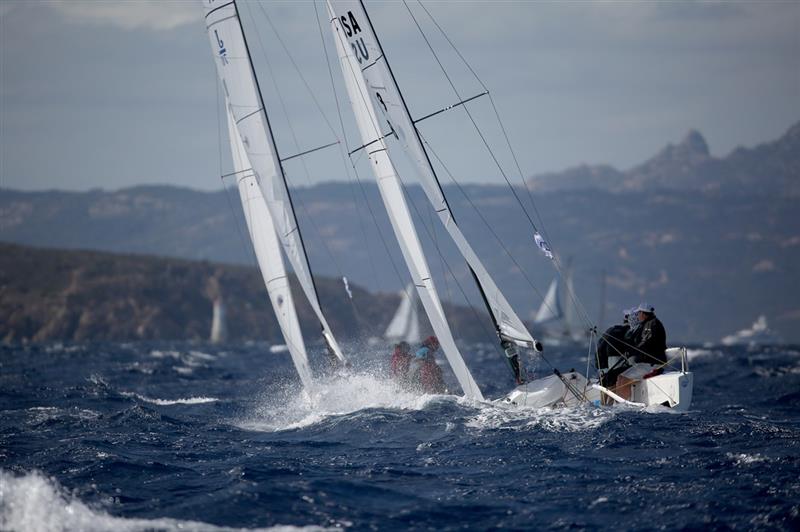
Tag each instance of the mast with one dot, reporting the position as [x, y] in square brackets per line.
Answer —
[243, 94]
[387, 98]
[394, 201]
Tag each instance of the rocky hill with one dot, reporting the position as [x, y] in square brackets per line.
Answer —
[711, 242]
[48, 294]
[770, 168]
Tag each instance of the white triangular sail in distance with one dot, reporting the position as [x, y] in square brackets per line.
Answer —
[405, 322]
[239, 83]
[391, 191]
[268, 255]
[550, 309]
[394, 117]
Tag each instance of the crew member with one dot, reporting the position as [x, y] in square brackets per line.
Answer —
[424, 371]
[648, 350]
[401, 359]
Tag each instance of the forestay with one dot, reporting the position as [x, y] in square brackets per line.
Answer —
[245, 105]
[396, 120]
[391, 191]
[268, 254]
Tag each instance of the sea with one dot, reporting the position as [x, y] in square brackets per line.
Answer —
[191, 436]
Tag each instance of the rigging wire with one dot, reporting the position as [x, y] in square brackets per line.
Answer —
[419, 216]
[344, 157]
[307, 215]
[575, 300]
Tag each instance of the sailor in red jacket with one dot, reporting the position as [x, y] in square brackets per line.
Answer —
[401, 359]
[424, 372]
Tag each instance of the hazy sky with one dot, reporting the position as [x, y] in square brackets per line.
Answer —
[112, 94]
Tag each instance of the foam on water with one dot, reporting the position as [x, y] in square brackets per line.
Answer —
[34, 503]
[577, 419]
[294, 408]
[167, 402]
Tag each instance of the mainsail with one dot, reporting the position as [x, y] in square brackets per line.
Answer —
[385, 96]
[391, 191]
[268, 254]
[245, 104]
[405, 322]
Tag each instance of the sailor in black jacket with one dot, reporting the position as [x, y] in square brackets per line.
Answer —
[650, 338]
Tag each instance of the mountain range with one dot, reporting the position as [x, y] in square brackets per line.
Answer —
[711, 242]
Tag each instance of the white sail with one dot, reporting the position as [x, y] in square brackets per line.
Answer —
[219, 330]
[268, 255]
[405, 322]
[395, 119]
[245, 105]
[550, 310]
[391, 191]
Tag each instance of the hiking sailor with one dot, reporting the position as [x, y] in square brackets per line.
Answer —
[611, 352]
[424, 373]
[647, 348]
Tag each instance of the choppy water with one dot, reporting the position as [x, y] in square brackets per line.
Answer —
[181, 436]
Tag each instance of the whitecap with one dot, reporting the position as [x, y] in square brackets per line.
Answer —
[167, 402]
[693, 354]
[743, 458]
[33, 502]
[155, 353]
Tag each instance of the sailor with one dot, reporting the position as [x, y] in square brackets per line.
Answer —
[650, 340]
[424, 372]
[612, 359]
[648, 350]
[612, 342]
[401, 358]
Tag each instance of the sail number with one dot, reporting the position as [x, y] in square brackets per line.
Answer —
[351, 27]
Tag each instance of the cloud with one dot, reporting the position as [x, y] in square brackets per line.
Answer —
[132, 15]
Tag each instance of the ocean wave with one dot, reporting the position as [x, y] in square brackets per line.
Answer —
[32, 502]
[167, 402]
[693, 354]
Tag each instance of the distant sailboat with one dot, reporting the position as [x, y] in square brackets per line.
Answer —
[219, 329]
[556, 318]
[404, 326]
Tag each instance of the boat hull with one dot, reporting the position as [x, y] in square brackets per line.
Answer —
[673, 389]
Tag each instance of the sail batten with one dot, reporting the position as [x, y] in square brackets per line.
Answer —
[245, 105]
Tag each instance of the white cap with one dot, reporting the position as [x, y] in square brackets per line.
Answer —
[645, 307]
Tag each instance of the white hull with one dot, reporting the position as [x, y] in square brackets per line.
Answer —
[672, 389]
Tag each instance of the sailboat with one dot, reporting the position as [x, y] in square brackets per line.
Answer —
[383, 115]
[265, 196]
[557, 316]
[387, 129]
[404, 326]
